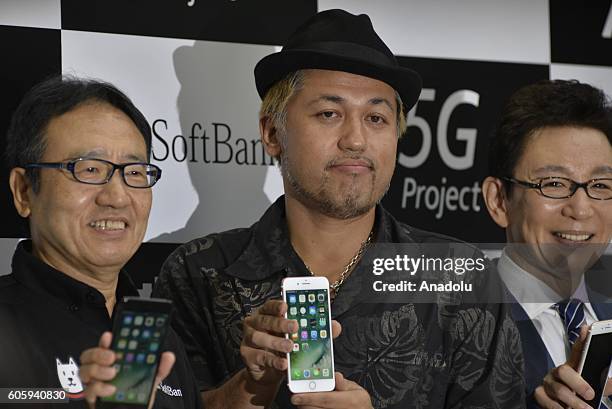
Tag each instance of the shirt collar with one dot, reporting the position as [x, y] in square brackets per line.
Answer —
[270, 251]
[526, 288]
[37, 275]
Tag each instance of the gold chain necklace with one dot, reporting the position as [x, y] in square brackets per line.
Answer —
[335, 286]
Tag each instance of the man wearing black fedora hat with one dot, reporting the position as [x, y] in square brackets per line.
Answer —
[334, 104]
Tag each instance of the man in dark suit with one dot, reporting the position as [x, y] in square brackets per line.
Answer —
[550, 187]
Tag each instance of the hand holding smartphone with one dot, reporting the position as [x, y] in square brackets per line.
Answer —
[595, 362]
[139, 332]
[311, 362]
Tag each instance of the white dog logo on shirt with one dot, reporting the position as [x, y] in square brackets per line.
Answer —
[68, 375]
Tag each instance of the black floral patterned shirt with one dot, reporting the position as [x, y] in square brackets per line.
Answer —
[405, 355]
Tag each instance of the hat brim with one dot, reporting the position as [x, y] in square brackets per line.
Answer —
[274, 67]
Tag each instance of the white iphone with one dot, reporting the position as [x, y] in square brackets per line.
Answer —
[311, 363]
[596, 358]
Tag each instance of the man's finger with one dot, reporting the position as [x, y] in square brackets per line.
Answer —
[561, 393]
[270, 323]
[273, 307]
[254, 357]
[105, 340]
[166, 362]
[98, 389]
[95, 372]
[544, 400]
[336, 328]
[343, 384]
[577, 348]
[566, 375]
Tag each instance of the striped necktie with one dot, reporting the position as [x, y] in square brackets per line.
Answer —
[572, 315]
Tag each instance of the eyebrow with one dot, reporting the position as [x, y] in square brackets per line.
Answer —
[336, 99]
[605, 169]
[98, 153]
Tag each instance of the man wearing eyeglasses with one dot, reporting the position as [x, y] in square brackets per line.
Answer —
[78, 151]
[550, 188]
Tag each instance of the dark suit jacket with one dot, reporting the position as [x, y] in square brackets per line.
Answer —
[537, 359]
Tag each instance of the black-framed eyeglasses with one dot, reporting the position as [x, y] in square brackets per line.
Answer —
[99, 171]
[556, 187]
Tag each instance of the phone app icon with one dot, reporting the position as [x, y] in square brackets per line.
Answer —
[302, 298]
[127, 320]
[322, 321]
[323, 333]
[293, 310]
[160, 321]
[156, 334]
[311, 298]
[302, 310]
[146, 334]
[297, 374]
[325, 372]
[320, 297]
[153, 347]
[120, 395]
[140, 358]
[294, 336]
[141, 397]
[135, 333]
[296, 347]
[119, 356]
[129, 357]
[138, 320]
[131, 396]
[151, 358]
[149, 321]
[316, 372]
[312, 310]
[303, 322]
[292, 299]
[306, 373]
[125, 332]
[121, 344]
[314, 334]
[304, 335]
[132, 344]
[313, 322]
[305, 346]
[321, 310]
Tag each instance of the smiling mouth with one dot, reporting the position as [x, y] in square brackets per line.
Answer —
[108, 225]
[575, 237]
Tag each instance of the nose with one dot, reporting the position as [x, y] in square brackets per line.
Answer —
[579, 206]
[353, 136]
[114, 193]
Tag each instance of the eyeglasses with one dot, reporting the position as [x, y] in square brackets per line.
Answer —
[100, 171]
[556, 187]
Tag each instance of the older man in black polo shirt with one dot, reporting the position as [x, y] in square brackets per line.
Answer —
[79, 154]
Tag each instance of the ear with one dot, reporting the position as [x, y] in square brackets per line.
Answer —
[58, 362]
[495, 199]
[20, 186]
[71, 362]
[269, 136]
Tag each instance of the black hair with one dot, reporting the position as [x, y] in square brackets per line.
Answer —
[55, 96]
[547, 103]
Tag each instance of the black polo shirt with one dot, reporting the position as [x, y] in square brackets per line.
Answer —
[47, 319]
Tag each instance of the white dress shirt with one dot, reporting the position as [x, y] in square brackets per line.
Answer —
[544, 316]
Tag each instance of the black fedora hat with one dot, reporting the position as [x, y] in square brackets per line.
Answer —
[340, 41]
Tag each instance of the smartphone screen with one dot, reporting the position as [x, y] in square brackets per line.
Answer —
[138, 336]
[311, 358]
[596, 370]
